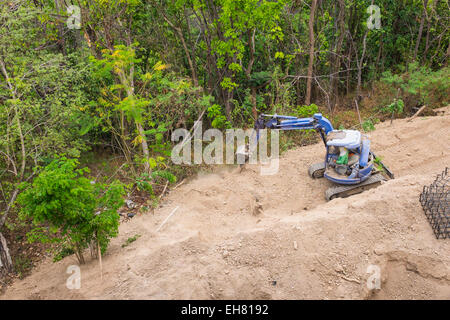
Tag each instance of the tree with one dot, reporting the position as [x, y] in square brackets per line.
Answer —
[121, 62]
[40, 95]
[77, 210]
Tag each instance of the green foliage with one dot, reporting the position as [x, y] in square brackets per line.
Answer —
[41, 93]
[131, 240]
[120, 63]
[243, 112]
[155, 66]
[378, 164]
[368, 125]
[145, 181]
[22, 265]
[228, 84]
[63, 252]
[259, 78]
[77, 210]
[306, 111]
[217, 117]
[394, 107]
[143, 96]
[420, 85]
[166, 175]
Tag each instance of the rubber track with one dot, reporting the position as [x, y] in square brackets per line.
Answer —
[344, 191]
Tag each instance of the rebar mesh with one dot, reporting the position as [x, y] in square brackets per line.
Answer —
[435, 200]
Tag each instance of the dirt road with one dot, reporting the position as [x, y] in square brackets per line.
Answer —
[247, 236]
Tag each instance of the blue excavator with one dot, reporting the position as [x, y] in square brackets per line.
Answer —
[349, 163]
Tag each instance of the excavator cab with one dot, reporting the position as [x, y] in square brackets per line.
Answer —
[345, 144]
[350, 139]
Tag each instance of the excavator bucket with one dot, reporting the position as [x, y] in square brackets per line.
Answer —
[243, 152]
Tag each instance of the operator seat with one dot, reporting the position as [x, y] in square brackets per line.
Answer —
[350, 139]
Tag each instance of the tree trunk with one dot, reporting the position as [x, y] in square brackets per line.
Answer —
[335, 58]
[99, 250]
[144, 147]
[179, 32]
[419, 36]
[311, 53]
[6, 265]
[79, 254]
[5, 258]
[130, 94]
[448, 55]
[251, 46]
[254, 110]
[360, 66]
[360, 63]
[228, 106]
[61, 36]
[380, 50]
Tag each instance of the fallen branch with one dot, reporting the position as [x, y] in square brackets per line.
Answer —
[417, 113]
[179, 184]
[350, 279]
[164, 191]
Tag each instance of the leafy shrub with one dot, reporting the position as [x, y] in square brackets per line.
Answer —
[165, 175]
[77, 210]
[242, 113]
[63, 252]
[217, 117]
[131, 240]
[299, 137]
[368, 125]
[22, 265]
[394, 107]
[145, 181]
[306, 111]
[420, 85]
[378, 163]
[259, 78]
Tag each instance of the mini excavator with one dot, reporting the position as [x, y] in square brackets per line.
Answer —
[349, 163]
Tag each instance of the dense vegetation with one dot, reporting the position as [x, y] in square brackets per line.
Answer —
[121, 76]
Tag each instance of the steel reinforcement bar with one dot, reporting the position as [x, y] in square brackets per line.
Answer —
[435, 200]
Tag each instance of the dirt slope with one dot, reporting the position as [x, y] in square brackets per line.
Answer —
[243, 235]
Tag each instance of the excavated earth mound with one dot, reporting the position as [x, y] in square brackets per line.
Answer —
[241, 235]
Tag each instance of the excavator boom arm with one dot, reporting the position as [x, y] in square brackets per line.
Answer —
[317, 122]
